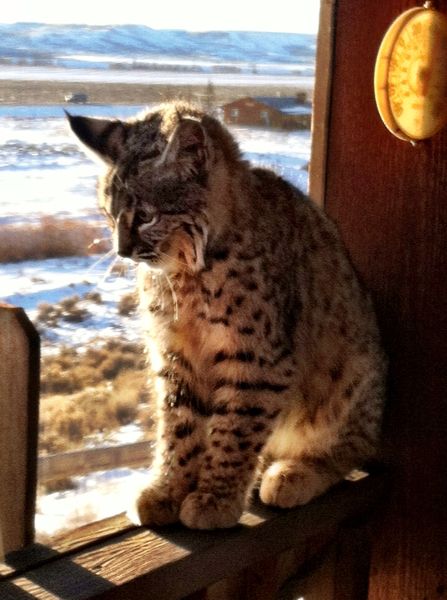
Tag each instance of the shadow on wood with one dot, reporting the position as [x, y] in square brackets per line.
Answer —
[173, 562]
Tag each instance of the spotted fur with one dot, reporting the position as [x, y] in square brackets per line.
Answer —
[264, 353]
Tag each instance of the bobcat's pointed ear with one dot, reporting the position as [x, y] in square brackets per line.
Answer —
[104, 137]
[191, 141]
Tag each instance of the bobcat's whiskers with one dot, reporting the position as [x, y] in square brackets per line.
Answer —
[174, 296]
[101, 259]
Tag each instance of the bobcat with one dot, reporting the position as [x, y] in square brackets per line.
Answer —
[264, 353]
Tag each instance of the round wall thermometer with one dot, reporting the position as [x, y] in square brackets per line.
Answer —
[410, 78]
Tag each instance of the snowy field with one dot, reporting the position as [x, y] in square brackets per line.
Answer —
[43, 172]
[278, 79]
[48, 51]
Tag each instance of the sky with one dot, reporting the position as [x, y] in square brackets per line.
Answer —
[293, 16]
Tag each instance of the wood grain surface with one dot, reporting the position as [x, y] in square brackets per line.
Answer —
[389, 199]
[19, 393]
[174, 562]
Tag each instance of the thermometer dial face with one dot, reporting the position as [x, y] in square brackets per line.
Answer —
[410, 78]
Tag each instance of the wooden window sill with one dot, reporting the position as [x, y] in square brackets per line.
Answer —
[113, 559]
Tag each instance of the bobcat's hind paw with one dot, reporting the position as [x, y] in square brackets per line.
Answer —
[154, 507]
[287, 484]
[201, 510]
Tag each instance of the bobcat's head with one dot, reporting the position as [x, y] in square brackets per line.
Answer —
[163, 172]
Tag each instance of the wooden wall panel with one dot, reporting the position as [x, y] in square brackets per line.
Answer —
[19, 394]
[390, 201]
[322, 101]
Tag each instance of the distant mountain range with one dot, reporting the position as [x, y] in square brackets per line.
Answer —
[138, 46]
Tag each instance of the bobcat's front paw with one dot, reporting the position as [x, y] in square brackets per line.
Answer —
[155, 507]
[201, 510]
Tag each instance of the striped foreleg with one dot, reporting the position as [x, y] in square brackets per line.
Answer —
[179, 446]
[237, 432]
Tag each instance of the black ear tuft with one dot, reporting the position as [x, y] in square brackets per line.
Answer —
[105, 137]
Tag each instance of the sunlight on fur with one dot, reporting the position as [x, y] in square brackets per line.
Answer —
[265, 360]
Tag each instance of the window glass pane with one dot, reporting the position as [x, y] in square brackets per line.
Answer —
[253, 70]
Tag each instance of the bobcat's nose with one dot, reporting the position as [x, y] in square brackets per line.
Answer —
[123, 240]
[124, 248]
[125, 252]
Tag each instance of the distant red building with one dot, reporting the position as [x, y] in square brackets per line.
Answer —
[262, 111]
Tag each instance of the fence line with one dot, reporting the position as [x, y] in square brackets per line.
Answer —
[81, 462]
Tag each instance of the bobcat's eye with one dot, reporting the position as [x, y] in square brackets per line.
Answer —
[152, 221]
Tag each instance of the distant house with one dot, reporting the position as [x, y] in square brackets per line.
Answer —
[263, 111]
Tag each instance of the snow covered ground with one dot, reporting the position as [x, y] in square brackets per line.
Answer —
[302, 81]
[93, 497]
[31, 283]
[43, 172]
